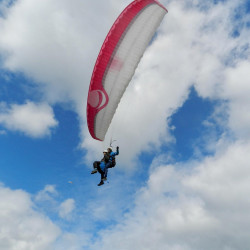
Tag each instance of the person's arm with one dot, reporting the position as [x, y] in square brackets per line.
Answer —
[117, 150]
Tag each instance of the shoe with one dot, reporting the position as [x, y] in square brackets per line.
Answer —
[101, 183]
[94, 171]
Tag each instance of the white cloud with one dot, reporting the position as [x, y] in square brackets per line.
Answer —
[21, 227]
[54, 43]
[48, 200]
[24, 227]
[34, 120]
[66, 208]
[205, 207]
[237, 89]
[47, 194]
[73, 241]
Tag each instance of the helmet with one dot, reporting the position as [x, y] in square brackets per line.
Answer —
[110, 149]
[105, 151]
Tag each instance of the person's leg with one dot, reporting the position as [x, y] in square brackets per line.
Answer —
[105, 173]
[102, 175]
[95, 164]
[100, 171]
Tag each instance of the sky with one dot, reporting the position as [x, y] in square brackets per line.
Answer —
[182, 178]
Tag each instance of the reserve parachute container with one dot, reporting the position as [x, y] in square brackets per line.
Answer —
[117, 61]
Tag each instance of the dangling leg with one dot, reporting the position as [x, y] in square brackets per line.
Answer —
[102, 175]
[95, 164]
[105, 174]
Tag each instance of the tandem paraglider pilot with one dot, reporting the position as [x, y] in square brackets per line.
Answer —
[108, 161]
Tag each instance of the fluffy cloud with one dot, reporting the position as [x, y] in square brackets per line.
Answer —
[47, 199]
[47, 194]
[35, 120]
[236, 88]
[66, 208]
[201, 208]
[25, 226]
[21, 227]
[55, 44]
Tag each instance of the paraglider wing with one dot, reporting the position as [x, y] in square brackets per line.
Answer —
[119, 56]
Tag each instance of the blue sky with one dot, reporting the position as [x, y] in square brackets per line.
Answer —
[182, 176]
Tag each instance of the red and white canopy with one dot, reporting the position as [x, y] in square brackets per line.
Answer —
[119, 56]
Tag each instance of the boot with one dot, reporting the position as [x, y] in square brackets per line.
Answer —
[94, 171]
[101, 183]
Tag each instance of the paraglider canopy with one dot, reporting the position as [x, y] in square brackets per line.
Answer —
[118, 58]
